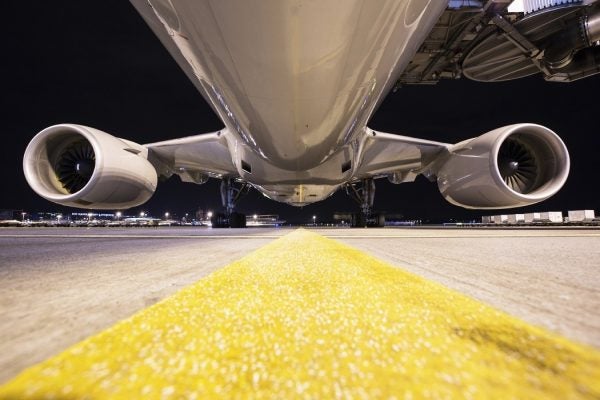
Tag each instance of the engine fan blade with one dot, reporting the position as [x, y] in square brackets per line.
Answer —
[518, 165]
[75, 166]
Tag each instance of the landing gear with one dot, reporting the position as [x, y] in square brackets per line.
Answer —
[233, 220]
[231, 192]
[363, 192]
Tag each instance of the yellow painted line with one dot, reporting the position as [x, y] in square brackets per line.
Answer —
[308, 317]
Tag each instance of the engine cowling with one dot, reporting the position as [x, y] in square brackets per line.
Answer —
[83, 167]
[512, 166]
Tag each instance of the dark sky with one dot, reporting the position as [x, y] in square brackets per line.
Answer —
[96, 63]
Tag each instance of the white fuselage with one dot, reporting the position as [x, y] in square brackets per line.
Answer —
[294, 82]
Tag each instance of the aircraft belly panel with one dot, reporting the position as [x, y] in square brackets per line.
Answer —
[297, 195]
[296, 79]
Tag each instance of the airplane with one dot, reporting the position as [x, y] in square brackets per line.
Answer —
[295, 83]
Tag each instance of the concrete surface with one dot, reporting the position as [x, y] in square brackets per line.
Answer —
[61, 285]
[547, 277]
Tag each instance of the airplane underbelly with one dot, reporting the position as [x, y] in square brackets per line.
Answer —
[297, 195]
[296, 79]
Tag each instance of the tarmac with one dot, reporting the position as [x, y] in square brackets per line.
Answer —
[60, 286]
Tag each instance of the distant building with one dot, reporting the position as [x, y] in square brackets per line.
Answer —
[264, 220]
[530, 218]
[551, 216]
[102, 216]
[500, 219]
[516, 218]
[582, 215]
[11, 214]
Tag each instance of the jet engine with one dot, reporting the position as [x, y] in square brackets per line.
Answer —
[512, 166]
[83, 167]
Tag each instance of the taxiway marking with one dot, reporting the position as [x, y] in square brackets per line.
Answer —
[306, 316]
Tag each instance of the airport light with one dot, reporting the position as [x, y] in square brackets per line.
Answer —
[118, 214]
[167, 215]
[142, 214]
[314, 219]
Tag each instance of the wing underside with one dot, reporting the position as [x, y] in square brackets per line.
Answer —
[194, 158]
[397, 157]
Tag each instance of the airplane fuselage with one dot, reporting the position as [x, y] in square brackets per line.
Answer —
[294, 82]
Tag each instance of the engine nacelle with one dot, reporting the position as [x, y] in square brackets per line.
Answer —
[512, 166]
[83, 167]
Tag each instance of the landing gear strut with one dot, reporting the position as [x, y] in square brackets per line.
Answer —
[363, 192]
[231, 192]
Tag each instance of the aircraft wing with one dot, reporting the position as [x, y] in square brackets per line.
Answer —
[401, 158]
[194, 158]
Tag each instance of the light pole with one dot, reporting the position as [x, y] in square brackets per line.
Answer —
[23, 216]
[166, 215]
[314, 219]
[118, 215]
[58, 217]
[90, 217]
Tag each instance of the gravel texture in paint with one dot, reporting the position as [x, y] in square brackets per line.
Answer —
[308, 317]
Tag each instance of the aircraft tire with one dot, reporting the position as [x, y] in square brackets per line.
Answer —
[358, 220]
[219, 220]
[237, 220]
[379, 220]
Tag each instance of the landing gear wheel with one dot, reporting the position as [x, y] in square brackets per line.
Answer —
[237, 220]
[358, 220]
[378, 220]
[219, 220]
[363, 192]
[231, 192]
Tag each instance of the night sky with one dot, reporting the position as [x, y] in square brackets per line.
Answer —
[96, 63]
